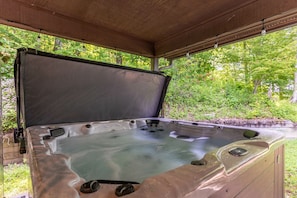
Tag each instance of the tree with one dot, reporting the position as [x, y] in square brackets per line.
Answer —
[294, 95]
[265, 61]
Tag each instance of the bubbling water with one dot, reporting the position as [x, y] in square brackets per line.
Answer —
[133, 154]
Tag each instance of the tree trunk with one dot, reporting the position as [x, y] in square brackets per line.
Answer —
[256, 85]
[245, 64]
[294, 96]
[269, 93]
[58, 44]
[119, 58]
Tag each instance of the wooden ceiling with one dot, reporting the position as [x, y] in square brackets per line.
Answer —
[152, 28]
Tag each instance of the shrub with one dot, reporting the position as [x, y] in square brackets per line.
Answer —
[284, 109]
[9, 104]
[9, 120]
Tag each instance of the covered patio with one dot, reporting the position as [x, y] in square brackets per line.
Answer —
[157, 28]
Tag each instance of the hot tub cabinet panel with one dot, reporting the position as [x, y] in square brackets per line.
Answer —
[263, 179]
[215, 160]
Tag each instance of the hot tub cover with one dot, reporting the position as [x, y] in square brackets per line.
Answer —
[55, 89]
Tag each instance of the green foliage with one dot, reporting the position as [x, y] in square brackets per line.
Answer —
[238, 93]
[8, 105]
[10, 40]
[262, 61]
[16, 179]
[284, 109]
[243, 80]
[214, 99]
[9, 120]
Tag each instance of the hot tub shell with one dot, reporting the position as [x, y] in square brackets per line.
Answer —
[62, 92]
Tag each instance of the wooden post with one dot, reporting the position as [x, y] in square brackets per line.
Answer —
[155, 67]
[155, 64]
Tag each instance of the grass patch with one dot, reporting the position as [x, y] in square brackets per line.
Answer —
[16, 179]
[291, 168]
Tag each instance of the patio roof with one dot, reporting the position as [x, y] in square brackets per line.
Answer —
[155, 28]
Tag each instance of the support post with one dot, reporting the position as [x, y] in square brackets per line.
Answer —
[155, 64]
[155, 67]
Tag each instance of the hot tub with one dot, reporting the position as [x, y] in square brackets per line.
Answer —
[154, 158]
[93, 129]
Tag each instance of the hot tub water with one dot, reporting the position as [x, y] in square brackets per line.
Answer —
[134, 154]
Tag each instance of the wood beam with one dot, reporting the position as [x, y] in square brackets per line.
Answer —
[236, 23]
[17, 14]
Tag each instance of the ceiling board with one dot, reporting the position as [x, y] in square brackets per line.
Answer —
[156, 28]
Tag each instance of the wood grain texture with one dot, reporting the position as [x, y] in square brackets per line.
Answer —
[156, 28]
[11, 153]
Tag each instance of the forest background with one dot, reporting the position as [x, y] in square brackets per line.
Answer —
[250, 79]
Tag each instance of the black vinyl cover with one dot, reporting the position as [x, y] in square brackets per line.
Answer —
[55, 89]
